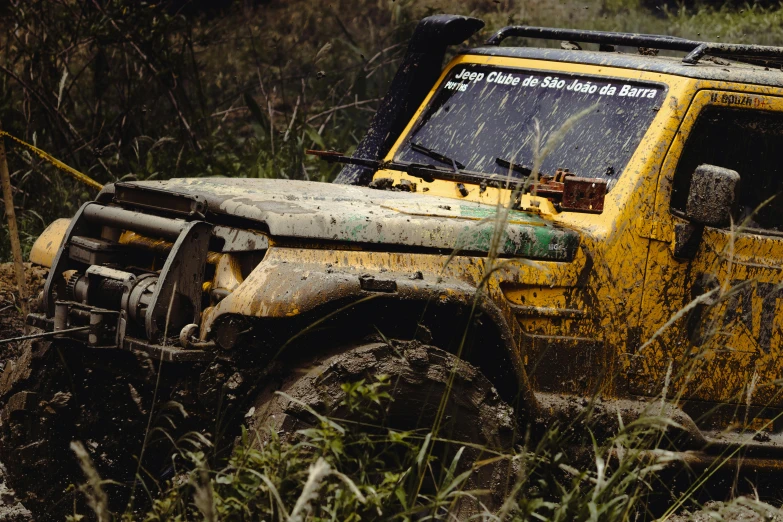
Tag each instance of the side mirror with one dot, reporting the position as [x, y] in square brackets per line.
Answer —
[710, 200]
[712, 195]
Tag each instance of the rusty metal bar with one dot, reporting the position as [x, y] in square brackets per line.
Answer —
[738, 51]
[671, 43]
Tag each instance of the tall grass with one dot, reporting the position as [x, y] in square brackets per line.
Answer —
[341, 471]
[126, 89]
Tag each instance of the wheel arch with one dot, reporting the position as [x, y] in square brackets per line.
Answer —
[341, 309]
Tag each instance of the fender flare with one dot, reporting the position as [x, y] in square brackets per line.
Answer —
[287, 300]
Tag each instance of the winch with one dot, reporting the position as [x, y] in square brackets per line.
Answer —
[96, 281]
[102, 290]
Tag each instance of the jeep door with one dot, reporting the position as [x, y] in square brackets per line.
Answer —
[712, 331]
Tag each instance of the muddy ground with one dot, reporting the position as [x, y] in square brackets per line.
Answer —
[12, 325]
[10, 509]
[11, 321]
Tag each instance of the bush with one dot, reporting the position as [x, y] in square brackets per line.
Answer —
[338, 470]
[123, 89]
[342, 470]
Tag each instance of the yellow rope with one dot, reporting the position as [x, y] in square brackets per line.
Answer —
[75, 174]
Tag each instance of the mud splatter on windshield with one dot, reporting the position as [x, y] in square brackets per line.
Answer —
[481, 113]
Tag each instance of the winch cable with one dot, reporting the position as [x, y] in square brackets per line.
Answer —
[43, 334]
[75, 174]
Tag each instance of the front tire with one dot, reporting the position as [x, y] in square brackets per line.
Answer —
[420, 376]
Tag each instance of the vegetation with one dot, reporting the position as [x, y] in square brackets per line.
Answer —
[128, 89]
[342, 470]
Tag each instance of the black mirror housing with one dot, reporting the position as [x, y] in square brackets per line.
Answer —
[712, 195]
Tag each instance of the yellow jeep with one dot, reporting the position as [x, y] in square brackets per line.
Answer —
[521, 228]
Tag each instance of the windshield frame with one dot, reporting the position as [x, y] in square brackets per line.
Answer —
[537, 67]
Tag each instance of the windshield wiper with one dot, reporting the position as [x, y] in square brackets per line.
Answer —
[427, 173]
[525, 171]
[437, 156]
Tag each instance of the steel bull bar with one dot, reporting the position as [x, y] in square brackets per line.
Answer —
[92, 284]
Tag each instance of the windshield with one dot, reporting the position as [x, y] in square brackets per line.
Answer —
[484, 117]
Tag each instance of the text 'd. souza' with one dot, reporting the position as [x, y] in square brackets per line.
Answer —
[467, 77]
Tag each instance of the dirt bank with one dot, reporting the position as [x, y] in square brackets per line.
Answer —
[11, 320]
[10, 509]
[12, 325]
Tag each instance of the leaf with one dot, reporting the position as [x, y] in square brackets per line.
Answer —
[458, 481]
[423, 452]
[256, 111]
[315, 137]
[400, 494]
[453, 467]
[398, 436]
[322, 51]
[351, 485]
[62, 86]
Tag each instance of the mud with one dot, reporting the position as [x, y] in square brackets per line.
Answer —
[11, 320]
[12, 325]
[10, 509]
[714, 511]
[712, 193]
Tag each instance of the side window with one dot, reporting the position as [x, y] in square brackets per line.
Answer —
[748, 141]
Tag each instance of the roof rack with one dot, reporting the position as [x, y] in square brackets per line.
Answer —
[695, 49]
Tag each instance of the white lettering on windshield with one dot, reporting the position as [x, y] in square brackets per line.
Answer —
[470, 76]
[467, 77]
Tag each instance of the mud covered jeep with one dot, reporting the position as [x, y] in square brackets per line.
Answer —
[568, 223]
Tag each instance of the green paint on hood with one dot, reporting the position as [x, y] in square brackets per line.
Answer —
[311, 210]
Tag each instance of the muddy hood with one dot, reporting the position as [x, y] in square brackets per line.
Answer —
[326, 211]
